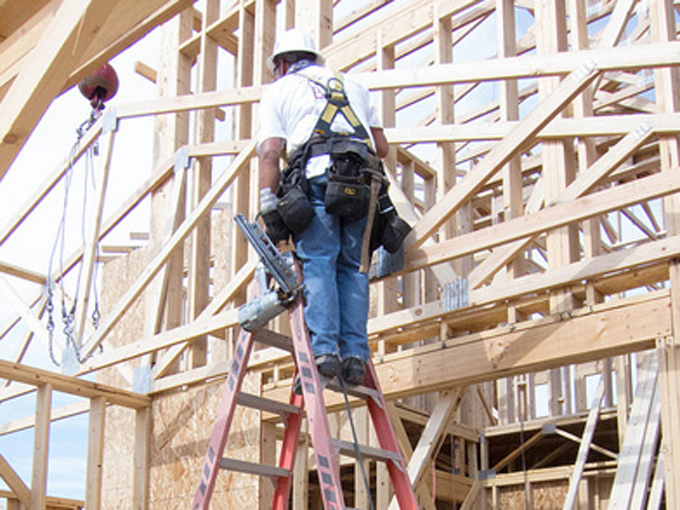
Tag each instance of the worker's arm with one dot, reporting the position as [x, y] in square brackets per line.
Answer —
[270, 153]
[381, 145]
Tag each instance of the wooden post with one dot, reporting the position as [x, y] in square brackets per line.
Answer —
[199, 270]
[509, 111]
[140, 477]
[316, 16]
[387, 289]
[95, 453]
[558, 172]
[243, 130]
[41, 444]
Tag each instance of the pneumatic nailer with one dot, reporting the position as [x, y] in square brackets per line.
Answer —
[257, 312]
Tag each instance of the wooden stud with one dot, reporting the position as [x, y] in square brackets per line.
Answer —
[41, 440]
[95, 453]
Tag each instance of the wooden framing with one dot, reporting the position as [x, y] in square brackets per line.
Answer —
[535, 151]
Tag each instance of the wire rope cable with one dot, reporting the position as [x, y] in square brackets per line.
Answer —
[58, 249]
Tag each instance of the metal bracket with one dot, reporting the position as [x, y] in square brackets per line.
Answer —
[182, 159]
[486, 474]
[456, 294]
[69, 360]
[110, 121]
[141, 379]
[548, 429]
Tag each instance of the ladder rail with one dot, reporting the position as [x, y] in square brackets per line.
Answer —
[225, 415]
[327, 461]
[387, 439]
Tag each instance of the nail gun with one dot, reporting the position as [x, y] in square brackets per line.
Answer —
[257, 312]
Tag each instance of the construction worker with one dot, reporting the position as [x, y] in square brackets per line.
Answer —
[328, 244]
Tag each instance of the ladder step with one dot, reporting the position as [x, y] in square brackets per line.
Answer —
[368, 452]
[267, 404]
[253, 468]
[363, 392]
[273, 339]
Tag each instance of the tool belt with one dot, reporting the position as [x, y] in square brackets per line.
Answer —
[353, 166]
[349, 178]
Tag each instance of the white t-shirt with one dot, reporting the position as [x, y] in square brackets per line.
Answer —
[291, 106]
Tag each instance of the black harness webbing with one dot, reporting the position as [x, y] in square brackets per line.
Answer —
[337, 103]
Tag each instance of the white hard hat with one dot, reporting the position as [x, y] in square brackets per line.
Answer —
[292, 41]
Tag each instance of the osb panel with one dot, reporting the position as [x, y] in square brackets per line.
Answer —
[549, 494]
[118, 275]
[222, 229]
[118, 462]
[545, 496]
[182, 425]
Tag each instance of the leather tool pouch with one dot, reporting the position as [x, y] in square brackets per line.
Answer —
[347, 192]
[389, 230]
[294, 206]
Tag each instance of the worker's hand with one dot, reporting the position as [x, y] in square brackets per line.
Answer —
[273, 223]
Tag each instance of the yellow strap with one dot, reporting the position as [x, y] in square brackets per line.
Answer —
[329, 113]
[349, 115]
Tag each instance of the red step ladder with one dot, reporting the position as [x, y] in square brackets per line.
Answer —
[326, 448]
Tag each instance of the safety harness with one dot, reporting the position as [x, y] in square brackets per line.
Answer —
[357, 185]
[337, 103]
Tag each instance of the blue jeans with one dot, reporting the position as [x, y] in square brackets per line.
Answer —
[336, 293]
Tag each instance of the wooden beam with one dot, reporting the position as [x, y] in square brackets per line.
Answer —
[129, 22]
[163, 340]
[549, 218]
[587, 334]
[24, 274]
[78, 387]
[72, 30]
[621, 58]
[500, 155]
[14, 482]
[397, 27]
[24, 311]
[563, 127]
[518, 451]
[59, 413]
[432, 436]
[586, 181]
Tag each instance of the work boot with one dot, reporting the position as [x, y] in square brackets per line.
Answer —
[353, 370]
[328, 365]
